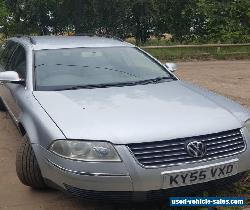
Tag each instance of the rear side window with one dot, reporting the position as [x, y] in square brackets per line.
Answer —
[18, 62]
[6, 54]
[2, 47]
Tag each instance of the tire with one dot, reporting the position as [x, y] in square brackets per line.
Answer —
[27, 168]
[2, 107]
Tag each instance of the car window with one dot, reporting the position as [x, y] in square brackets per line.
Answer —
[2, 47]
[6, 54]
[18, 62]
[61, 68]
[2, 51]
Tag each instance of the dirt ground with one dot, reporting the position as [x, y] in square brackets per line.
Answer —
[229, 78]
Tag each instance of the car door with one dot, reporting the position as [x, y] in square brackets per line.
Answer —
[11, 91]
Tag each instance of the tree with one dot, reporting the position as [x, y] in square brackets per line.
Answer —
[80, 14]
[173, 18]
[186, 20]
[29, 16]
[4, 13]
[219, 21]
[113, 17]
[142, 19]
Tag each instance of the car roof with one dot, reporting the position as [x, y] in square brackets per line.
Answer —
[59, 42]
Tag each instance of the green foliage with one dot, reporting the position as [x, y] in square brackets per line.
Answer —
[143, 18]
[3, 12]
[3, 15]
[173, 18]
[219, 21]
[113, 17]
[188, 21]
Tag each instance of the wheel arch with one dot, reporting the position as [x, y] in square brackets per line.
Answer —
[27, 127]
[38, 129]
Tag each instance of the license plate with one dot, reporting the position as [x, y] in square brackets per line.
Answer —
[199, 175]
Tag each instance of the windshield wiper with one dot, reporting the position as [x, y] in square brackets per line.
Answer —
[155, 80]
[76, 87]
[120, 84]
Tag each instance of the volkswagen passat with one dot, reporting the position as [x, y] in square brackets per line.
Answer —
[101, 118]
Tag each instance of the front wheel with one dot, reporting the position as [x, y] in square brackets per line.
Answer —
[27, 168]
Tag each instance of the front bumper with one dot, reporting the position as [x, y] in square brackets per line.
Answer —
[154, 195]
[126, 176]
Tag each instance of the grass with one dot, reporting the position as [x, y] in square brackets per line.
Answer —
[201, 53]
[193, 53]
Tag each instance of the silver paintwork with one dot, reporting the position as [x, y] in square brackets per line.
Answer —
[120, 115]
[9, 76]
[83, 172]
[172, 105]
[59, 42]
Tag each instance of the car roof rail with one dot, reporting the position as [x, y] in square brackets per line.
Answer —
[100, 35]
[31, 39]
[85, 34]
[114, 37]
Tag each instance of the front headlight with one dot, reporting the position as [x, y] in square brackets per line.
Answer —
[85, 150]
[247, 126]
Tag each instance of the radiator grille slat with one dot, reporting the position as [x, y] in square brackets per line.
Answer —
[161, 146]
[143, 157]
[172, 152]
[225, 141]
[156, 151]
[226, 150]
[221, 146]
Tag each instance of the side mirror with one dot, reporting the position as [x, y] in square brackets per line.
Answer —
[10, 76]
[171, 66]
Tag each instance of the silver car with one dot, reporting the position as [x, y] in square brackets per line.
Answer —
[102, 119]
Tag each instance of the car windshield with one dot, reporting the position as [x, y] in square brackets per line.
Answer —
[62, 69]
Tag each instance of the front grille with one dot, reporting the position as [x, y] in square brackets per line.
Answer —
[99, 195]
[172, 152]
